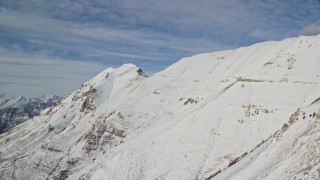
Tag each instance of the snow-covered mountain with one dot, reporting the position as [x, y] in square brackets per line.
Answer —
[15, 110]
[249, 113]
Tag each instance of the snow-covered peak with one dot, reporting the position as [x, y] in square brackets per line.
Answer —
[214, 115]
[7, 101]
[15, 110]
[126, 71]
[109, 83]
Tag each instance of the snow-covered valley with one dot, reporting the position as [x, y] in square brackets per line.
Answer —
[249, 113]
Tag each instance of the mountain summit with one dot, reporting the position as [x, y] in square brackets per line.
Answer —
[249, 113]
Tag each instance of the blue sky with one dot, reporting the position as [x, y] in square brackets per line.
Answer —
[51, 47]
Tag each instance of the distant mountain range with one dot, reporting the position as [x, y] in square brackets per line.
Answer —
[249, 113]
[16, 110]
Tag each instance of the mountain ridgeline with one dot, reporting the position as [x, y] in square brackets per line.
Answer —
[249, 113]
[16, 110]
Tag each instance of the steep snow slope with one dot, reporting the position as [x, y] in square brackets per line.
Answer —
[15, 110]
[214, 115]
[293, 152]
[65, 134]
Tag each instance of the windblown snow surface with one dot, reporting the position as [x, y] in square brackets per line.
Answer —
[249, 113]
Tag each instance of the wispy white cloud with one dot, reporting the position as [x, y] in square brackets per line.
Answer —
[22, 74]
[151, 34]
[71, 36]
[311, 30]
